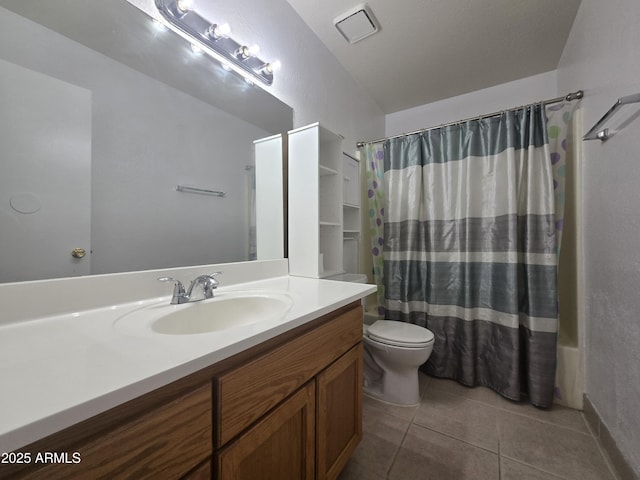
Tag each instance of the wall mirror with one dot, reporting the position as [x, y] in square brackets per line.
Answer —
[102, 115]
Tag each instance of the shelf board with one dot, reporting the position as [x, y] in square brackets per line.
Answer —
[350, 205]
[330, 224]
[326, 171]
[351, 231]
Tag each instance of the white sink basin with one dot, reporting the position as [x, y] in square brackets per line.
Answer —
[225, 311]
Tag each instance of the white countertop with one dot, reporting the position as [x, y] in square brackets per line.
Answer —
[57, 371]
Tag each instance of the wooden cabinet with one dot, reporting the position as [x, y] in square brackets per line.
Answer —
[280, 446]
[309, 390]
[339, 419]
[248, 391]
[288, 408]
[201, 472]
[164, 443]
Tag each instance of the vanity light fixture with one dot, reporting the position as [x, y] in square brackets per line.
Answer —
[184, 6]
[217, 32]
[242, 53]
[216, 41]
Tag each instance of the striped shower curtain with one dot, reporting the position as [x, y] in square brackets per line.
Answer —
[470, 250]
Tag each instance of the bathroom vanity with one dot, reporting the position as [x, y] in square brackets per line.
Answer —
[281, 400]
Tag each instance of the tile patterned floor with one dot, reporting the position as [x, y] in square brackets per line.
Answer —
[460, 433]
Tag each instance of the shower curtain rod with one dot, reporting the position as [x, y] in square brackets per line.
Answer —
[570, 97]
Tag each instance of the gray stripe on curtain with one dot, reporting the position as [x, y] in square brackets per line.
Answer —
[535, 234]
[504, 287]
[457, 142]
[469, 352]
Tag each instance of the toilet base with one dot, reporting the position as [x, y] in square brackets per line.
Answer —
[400, 389]
[376, 395]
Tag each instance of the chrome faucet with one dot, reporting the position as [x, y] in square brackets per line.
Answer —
[201, 288]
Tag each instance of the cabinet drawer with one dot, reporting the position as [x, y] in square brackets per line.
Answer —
[249, 391]
[164, 443]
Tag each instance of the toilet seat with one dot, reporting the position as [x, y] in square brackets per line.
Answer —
[400, 334]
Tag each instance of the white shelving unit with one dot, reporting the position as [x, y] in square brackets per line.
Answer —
[315, 202]
[351, 213]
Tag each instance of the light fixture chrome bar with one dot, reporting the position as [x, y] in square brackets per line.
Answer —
[204, 191]
[566, 98]
[597, 132]
[197, 28]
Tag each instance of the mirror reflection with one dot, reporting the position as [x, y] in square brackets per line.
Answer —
[103, 116]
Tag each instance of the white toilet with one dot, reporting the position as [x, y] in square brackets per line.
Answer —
[393, 351]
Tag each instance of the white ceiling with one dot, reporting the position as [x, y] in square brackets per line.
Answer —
[428, 50]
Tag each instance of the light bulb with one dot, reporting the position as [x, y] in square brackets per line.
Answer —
[254, 50]
[269, 68]
[275, 66]
[226, 67]
[242, 53]
[185, 5]
[249, 81]
[196, 49]
[218, 31]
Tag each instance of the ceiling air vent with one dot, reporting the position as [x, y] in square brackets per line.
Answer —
[357, 24]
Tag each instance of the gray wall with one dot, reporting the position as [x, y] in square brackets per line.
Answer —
[601, 57]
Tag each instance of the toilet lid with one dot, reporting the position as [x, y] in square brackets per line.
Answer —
[401, 334]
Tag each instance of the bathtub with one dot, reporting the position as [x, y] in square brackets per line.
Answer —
[569, 384]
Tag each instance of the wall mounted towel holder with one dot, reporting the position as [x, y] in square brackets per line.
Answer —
[600, 131]
[203, 191]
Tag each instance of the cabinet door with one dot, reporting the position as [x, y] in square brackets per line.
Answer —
[339, 420]
[279, 447]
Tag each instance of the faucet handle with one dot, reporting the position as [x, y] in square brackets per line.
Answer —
[178, 289]
[210, 284]
[206, 282]
[178, 283]
[213, 279]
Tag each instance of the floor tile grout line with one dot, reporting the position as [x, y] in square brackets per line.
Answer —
[395, 455]
[546, 422]
[454, 438]
[603, 452]
[465, 397]
[535, 467]
[605, 456]
[515, 412]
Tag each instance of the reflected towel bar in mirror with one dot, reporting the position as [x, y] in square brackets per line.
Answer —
[203, 191]
[600, 131]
